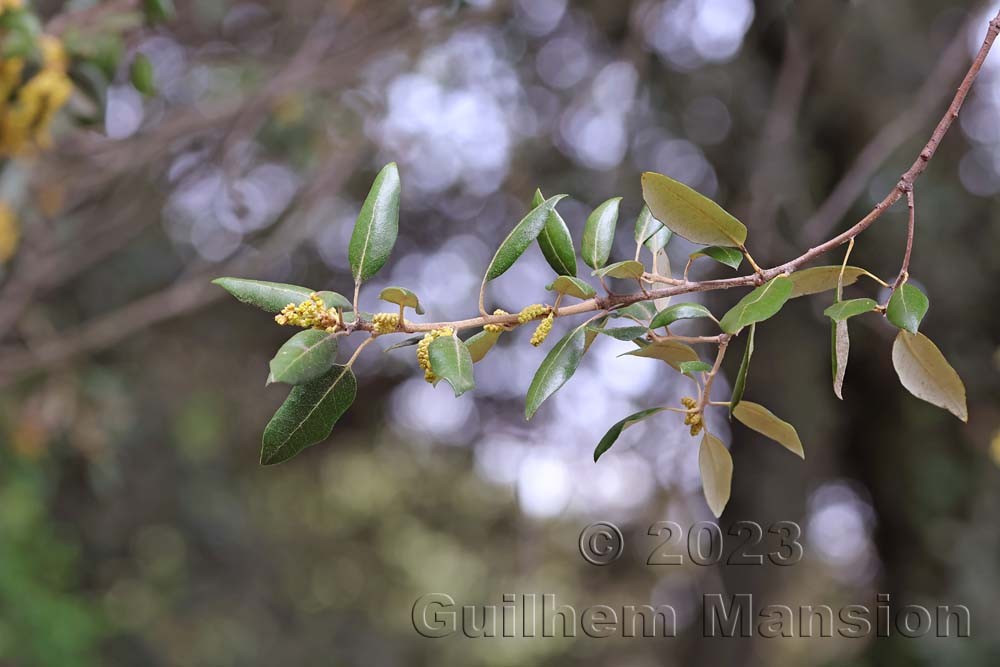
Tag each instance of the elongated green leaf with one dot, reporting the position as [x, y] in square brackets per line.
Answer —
[907, 307]
[764, 421]
[377, 225]
[679, 311]
[556, 369]
[572, 287]
[822, 278]
[409, 342]
[622, 333]
[758, 305]
[690, 214]
[741, 376]
[271, 297]
[841, 341]
[689, 368]
[305, 356]
[843, 310]
[615, 431]
[627, 269]
[646, 226]
[401, 297]
[641, 310]
[523, 235]
[731, 257]
[659, 240]
[926, 374]
[481, 343]
[335, 300]
[716, 467]
[308, 415]
[555, 241]
[141, 75]
[452, 361]
[599, 233]
[590, 334]
[670, 351]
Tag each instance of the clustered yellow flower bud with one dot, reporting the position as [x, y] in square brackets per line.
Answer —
[310, 314]
[692, 419]
[544, 327]
[423, 353]
[26, 111]
[385, 322]
[496, 328]
[532, 312]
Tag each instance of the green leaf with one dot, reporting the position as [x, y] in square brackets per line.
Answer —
[926, 374]
[599, 233]
[690, 214]
[843, 310]
[481, 343]
[741, 377]
[590, 334]
[572, 287]
[907, 307]
[452, 361]
[716, 467]
[689, 368]
[627, 269]
[622, 333]
[305, 356]
[377, 225]
[766, 423]
[615, 431]
[651, 232]
[659, 240]
[679, 311]
[409, 342]
[271, 297]
[758, 305]
[556, 369]
[308, 415]
[731, 257]
[555, 241]
[141, 75]
[641, 310]
[670, 351]
[522, 236]
[401, 297]
[646, 226]
[335, 300]
[822, 278]
[841, 342]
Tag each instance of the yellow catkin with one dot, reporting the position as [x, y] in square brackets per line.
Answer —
[423, 351]
[544, 327]
[532, 312]
[27, 112]
[385, 322]
[496, 328]
[310, 314]
[10, 232]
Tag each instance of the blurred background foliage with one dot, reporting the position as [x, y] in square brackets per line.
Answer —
[135, 524]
